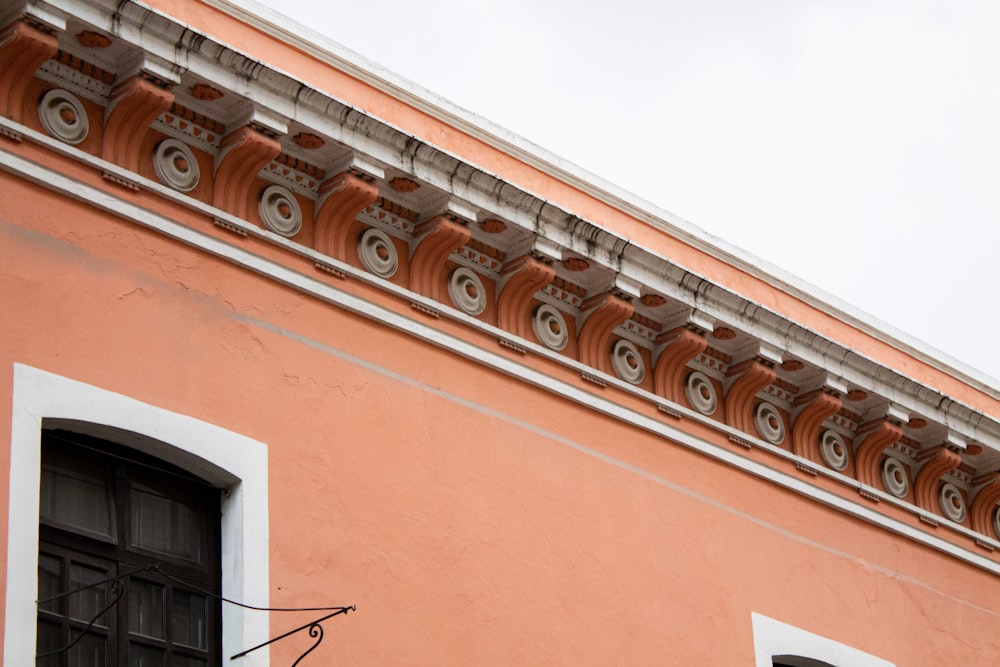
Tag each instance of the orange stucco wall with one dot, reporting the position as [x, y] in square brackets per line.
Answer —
[472, 518]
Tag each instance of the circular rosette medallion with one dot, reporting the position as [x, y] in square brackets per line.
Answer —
[466, 291]
[833, 449]
[176, 166]
[378, 254]
[701, 393]
[952, 503]
[280, 210]
[769, 423]
[894, 477]
[628, 362]
[550, 327]
[63, 116]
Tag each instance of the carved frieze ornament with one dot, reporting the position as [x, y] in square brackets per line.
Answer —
[466, 291]
[952, 502]
[63, 116]
[833, 449]
[894, 477]
[378, 253]
[280, 211]
[550, 327]
[627, 362]
[175, 165]
[93, 40]
[701, 393]
[769, 424]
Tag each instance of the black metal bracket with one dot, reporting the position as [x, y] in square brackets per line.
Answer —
[315, 629]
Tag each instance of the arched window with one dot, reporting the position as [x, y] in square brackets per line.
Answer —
[128, 558]
[43, 402]
[797, 661]
[778, 644]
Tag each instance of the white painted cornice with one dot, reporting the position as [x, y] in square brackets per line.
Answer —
[323, 48]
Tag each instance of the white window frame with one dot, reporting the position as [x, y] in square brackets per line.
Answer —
[226, 459]
[773, 638]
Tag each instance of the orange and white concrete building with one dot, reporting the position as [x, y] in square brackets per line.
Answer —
[424, 373]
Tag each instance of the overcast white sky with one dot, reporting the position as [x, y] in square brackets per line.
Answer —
[854, 144]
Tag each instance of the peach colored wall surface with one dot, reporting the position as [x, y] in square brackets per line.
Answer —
[472, 518]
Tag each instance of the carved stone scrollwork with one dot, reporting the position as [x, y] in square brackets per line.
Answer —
[939, 462]
[894, 477]
[982, 510]
[527, 275]
[176, 165]
[245, 152]
[341, 199]
[23, 49]
[682, 345]
[550, 327]
[753, 375]
[467, 291]
[818, 406]
[627, 362]
[769, 424]
[951, 502]
[875, 437]
[378, 253]
[606, 312]
[833, 449]
[437, 239]
[135, 104]
[63, 116]
[701, 393]
[996, 522]
[280, 211]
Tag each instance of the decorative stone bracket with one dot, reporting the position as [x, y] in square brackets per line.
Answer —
[438, 238]
[247, 150]
[607, 311]
[24, 46]
[875, 436]
[985, 503]
[135, 104]
[818, 406]
[938, 462]
[679, 346]
[752, 375]
[342, 198]
[525, 276]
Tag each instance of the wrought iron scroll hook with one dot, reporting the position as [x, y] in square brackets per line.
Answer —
[315, 630]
